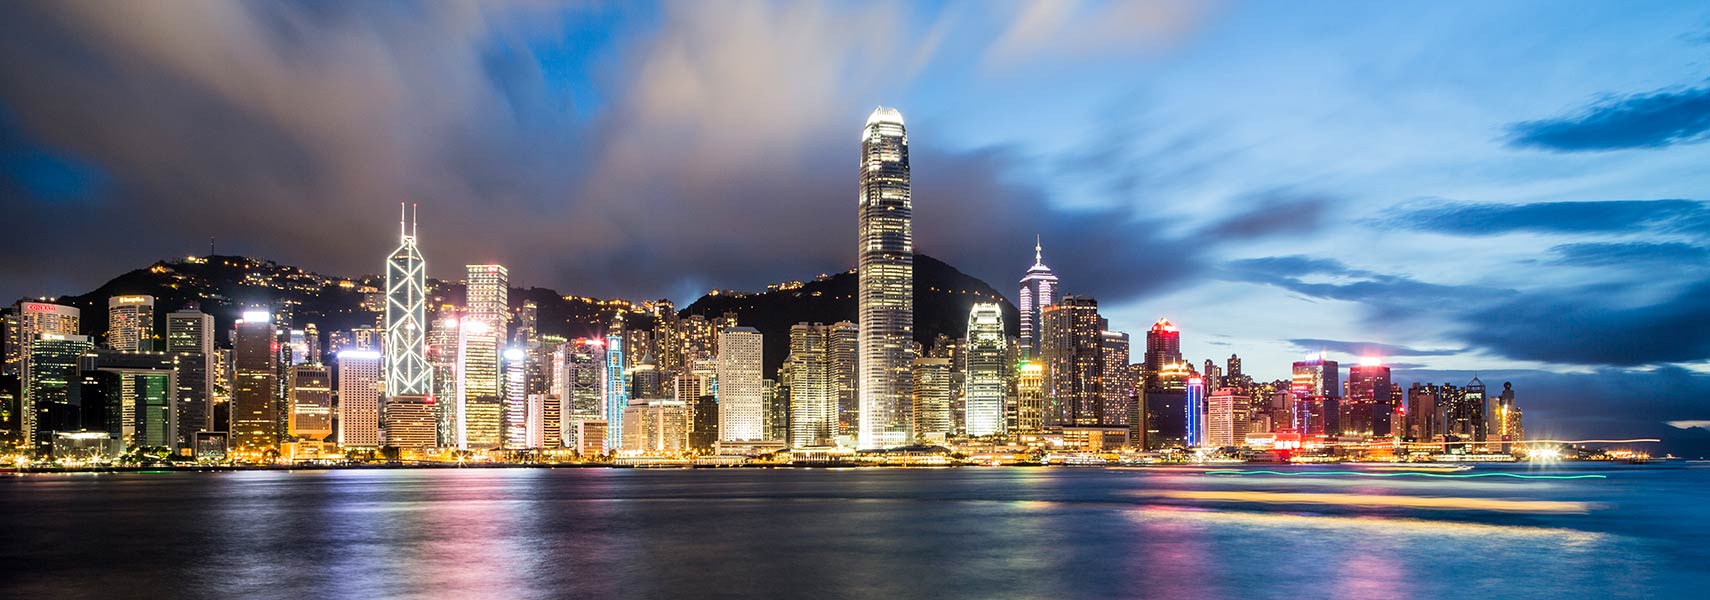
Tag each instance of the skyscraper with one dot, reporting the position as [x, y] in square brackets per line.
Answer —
[1195, 404]
[407, 369]
[516, 408]
[311, 402]
[190, 341]
[52, 395]
[1072, 347]
[477, 413]
[741, 401]
[885, 273]
[1118, 386]
[931, 399]
[983, 370]
[813, 401]
[1029, 399]
[1226, 418]
[255, 387]
[617, 395]
[1038, 289]
[130, 323]
[1317, 396]
[359, 398]
[1367, 408]
[1163, 348]
[487, 296]
[32, 320]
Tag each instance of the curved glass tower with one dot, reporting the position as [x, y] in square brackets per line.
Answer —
[885, 265]
[407, 370]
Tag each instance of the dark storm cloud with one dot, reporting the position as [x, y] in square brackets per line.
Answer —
[1388, 296]
[1652, 120]
[291, 131]
[1581, 326]
[1274, 214]
[1370, 348]
[1599, 254]
[1604, 216]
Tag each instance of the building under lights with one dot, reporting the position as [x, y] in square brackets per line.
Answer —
[256, 400]
[130, 323]
[1368, 405]
[741, 399]
[1072, 350]
[1194, 403]
[359, 386]
[311, 401]
[1029, 399]
[478, 410]
[1038, 289]
[31, 320]
[932, 400]
[616, 394]
[52, 399]
[516, 407]
[983, 371]
[813, 395]
[190, 341]
[1226, 418]
[1163, 348]
[885, 283]
[1316, 394]
[1118, 381]
[407, 370]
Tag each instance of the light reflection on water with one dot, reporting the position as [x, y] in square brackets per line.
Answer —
[522, 533]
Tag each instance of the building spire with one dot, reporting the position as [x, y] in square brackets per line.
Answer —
[1038, 252]
[403, 233]
[413, 219]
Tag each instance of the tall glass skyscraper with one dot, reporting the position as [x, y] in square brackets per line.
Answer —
[983, 371]
[407, 369]
[885, 265]
[1038, 289]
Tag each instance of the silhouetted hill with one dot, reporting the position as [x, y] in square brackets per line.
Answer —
[942, 298]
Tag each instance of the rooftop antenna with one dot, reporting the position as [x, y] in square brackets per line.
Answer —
[402, 233]
[210, 245]
[1038, 251]
[413, 207]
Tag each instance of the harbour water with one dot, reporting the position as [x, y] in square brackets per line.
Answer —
[1584, 530]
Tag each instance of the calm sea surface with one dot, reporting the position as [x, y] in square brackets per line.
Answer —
[1642, 531]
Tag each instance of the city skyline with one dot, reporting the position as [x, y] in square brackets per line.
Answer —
[1501, 264]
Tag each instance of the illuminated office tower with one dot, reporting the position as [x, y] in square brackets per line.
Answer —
[407, 370]
[931, 400]
[617, 393]
[154, 399]
[1038, 289]
[130, 323]
[983, 371]
[1163, 348]
[1030, 399]
[1167, 408]
[1213, 375]
[1422, 412]
[487, 296]
[1233, 367]
[844, 347]
[1507, 427]
[1194, 403]
[741, 401]
[359, 397]
[581, 378]
[1316, 393]
[885, 283]
[656, 427]
[190, 341]
[312, 342]
[1368, 407]
[311, 402]
[51, 399]
[31, 320]
[478, 410]
[1226, 418]
[1117, 386]
[1071, 347]
[410, 422]
[516, 400]
[443, 359]
[1465, 413]
[255, 388]
[807, 373]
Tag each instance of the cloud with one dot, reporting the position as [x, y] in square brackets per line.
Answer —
[1274, 214]
[1369, 348]
[1389, 297]
[1600, 254]
[717, 154]
[1652, 120]
[1068, 29]
[1583, 326]
[1603, 216]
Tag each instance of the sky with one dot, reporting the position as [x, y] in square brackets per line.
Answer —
[1514, 191]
